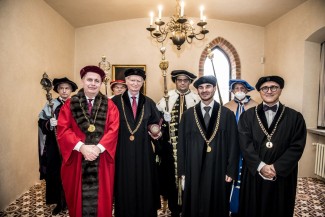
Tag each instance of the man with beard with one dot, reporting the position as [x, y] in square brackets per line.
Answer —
[180, 99]
[238, 105]
[208, 154]
[136, 183]
[50, 157]
[87, 134]
[272, 140]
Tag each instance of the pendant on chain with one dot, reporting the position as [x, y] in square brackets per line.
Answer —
[269, 144]
[91, 128]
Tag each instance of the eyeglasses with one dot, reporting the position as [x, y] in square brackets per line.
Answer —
[182, 80]
[265, 89]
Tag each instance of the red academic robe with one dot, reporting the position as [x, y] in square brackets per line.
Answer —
[69, 134]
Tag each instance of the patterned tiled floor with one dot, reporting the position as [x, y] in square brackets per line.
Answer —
[310, 201]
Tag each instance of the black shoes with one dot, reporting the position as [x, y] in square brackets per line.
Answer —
[58, 209]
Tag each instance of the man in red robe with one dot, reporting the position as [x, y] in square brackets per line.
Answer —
[87, 135]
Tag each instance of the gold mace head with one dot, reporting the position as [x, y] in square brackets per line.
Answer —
[163, 65]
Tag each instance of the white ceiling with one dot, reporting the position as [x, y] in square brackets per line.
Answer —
[90, 12]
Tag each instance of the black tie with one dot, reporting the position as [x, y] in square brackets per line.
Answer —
[206, 116]
[272, 108]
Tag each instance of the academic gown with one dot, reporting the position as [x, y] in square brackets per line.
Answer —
[206, 192]
[136, 188]
[263, 198]
[51, 159]
[69, 134]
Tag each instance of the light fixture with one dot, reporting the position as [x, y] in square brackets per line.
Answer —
[179, 27]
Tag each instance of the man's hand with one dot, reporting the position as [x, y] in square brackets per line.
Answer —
[167, 117]
[228, 179]
[53, 122]
[90, 152]
[268, 171]
[155, 137]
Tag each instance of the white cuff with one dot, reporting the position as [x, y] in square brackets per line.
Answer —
[78, 145]
[102, 149]
[260, 166]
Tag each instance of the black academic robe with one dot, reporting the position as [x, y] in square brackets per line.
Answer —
[54, 193]
[136, 182]
[263, 198]
[206, 191]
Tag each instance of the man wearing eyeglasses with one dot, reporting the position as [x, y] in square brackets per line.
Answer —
[180, 99]
[272, 139]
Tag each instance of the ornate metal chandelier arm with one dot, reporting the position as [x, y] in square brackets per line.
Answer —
[159, 38]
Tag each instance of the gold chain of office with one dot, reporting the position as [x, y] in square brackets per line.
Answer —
[91, 127]
[127, 123]
[201, 131]
[269, 144]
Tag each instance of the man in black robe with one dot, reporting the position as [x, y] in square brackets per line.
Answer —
[207, 153]
[136, 182]
[50, 157]
[272, 139]
[179, 100]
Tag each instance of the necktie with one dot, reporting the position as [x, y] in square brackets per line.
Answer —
[272, 108]
[207, 116]
[134, 106]
[90, 106]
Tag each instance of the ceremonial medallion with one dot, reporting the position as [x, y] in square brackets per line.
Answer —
[208, 149]
[131, 138]
[269, 144]
[91, 128]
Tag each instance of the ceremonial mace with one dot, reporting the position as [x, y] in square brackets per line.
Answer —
[210, 56]
[47, 85]
[105, 66]
[163, 65]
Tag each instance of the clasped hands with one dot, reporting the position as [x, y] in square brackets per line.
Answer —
[268, 172]
[90, 152]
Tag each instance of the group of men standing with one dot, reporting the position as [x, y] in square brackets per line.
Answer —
[110, 146]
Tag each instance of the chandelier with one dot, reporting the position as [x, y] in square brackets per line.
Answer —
[179, 27]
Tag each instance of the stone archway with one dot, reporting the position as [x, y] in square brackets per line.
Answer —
[230, 51]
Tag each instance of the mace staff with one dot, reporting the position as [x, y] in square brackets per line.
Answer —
[46, 83]
[163, 65]
[105, 66]
[210, 56]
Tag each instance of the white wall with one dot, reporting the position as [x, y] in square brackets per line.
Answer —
[34, 39]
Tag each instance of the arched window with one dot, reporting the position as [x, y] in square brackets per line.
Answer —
[226, 63]
[219, 66]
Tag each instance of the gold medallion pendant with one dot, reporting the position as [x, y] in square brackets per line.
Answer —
[269, 144]
[91, 128]
[208, 149]
[131, 138]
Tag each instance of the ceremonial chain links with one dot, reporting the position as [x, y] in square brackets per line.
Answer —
[214, 132]
[269, 136]
[91, 127]
[127, 123]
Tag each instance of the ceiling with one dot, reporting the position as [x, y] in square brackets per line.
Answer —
[90, 12]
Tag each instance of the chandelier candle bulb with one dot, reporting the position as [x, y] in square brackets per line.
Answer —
[201, 13]
[151, 18]
[182, 8]
[159, 11]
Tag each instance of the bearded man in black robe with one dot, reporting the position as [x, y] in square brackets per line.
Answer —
[272, 139]
[207, 154]
[136, 178]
